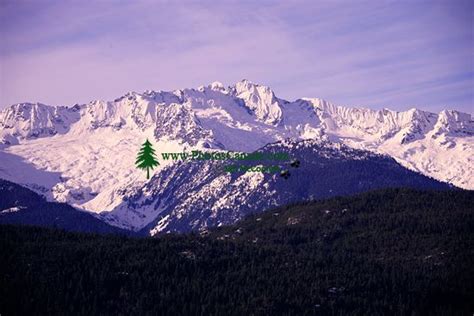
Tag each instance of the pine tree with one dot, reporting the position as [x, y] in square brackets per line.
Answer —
[146, 158]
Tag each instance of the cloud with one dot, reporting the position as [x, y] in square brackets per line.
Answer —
[369, 53]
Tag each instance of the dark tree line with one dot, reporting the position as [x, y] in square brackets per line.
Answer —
[389, 252]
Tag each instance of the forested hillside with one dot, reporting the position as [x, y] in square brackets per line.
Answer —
[390, 252]
[21, 206]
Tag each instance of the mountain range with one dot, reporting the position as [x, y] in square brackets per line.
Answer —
[84, 154]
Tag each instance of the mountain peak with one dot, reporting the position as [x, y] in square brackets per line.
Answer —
[260, 100]
[217, 85]
[247, 85]
[454, 122]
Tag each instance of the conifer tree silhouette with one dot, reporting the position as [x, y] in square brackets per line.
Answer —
[146, 158]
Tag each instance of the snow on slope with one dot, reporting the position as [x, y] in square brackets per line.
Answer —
[437, 145]
[26, 120]
[85, 154]
[201, 195]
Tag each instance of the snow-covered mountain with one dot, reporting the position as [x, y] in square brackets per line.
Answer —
[85, 154]
[202, 195]
[20, 206]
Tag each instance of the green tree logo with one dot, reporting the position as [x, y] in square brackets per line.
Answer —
[146, 158]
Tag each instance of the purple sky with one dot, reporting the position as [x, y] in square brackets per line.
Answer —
[395, 54]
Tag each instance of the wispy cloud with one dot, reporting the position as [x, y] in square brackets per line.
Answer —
[363, 53]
